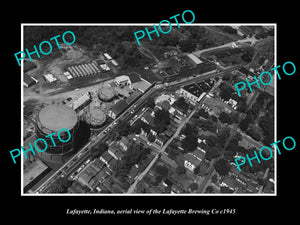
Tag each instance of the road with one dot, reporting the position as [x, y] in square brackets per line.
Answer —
[71, 164]
[227, 45]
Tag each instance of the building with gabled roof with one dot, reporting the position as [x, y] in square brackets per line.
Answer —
[106, 157]
[191, 162]
[117, 109]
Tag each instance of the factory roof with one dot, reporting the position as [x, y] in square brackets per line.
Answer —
[56, 117]
[119, 107]
[80, 101]
[194, 58]
[134, 77]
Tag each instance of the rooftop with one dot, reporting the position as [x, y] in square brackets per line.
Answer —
[134, 77]
[192, 159]
[194, 89]
[195, 59]
[57, 116]
[119, 107]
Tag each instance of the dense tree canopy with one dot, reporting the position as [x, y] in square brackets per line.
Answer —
[190, 143]
[162, 170]
[97, 150]
[225, 118]
[222, 167]
[161, 120]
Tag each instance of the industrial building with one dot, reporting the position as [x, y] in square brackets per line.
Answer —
[95, 115]
[51, 119]
[81, 102]
[29, 81]
[122, 81]
[117, 109]
[194, 59]
[50, 77]
[83, 70]
[106, 93]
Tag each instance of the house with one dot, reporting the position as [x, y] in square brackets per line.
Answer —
[117, 109]
[106, 157]
[148, 117]
[181, 108]
[159, 141]
[124, 143]
[29, 81]
[192, 92]
[94, 167]
[93, 183]
[122, 81]
[100, 164]
[133, 172]
[229, 182]
[85, 177]
[200, 155]
[116, 152]
[191, 162]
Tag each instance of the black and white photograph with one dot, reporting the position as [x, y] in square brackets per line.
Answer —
[173, 115]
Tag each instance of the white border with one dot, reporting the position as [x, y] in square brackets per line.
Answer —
[151, 24]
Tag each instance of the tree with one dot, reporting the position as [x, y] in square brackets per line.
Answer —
[161, 120]
[254, 133]
[223, 136]
[60, 185]
[151, 138]
[203, 113]
[133, 155]
[173, 152]
[227, 76]
[181, 103]
[97, 150]
[214, 178]
[222, 167]
[180, 169]
[229, 30]
[226, 93]
[225, 118]
[209, 189]
[244, 124]
[190, 143]
[212, 152]
[267, 125]
[150, 103]
[188, 45]
[162, 171]
[248, 54]
[189, 129]
[193, 186]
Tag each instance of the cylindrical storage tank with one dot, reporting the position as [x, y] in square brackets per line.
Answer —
[95, 115]
[106, 93]
[51, 119]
